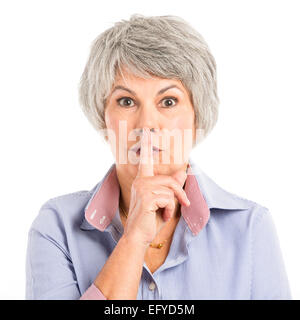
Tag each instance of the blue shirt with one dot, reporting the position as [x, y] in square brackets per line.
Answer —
[223, 247]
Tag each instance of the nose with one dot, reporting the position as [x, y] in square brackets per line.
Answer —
[155, 133]
[140, 130]
[147, 117]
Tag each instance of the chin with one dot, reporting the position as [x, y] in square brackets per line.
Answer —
[166, 169]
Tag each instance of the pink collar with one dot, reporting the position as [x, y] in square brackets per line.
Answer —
[104, 203]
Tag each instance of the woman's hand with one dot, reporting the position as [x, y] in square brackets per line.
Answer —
[149, 193]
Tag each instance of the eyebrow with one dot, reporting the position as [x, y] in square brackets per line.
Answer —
[161, 91]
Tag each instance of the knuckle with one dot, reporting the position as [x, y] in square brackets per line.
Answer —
[165, 192]
[176, 187]
[173, 184]
[172, 193]
[168, 191]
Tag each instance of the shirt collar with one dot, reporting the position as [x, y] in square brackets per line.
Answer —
[204, 194]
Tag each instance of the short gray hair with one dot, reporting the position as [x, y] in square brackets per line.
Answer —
[163, 46]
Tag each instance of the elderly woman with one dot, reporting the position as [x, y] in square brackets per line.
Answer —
[156, 226]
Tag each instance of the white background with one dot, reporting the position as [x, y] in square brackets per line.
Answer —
[48, 148]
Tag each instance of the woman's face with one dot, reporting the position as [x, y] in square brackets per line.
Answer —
[162, 104]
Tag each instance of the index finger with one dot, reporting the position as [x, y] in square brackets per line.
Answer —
[146, 155]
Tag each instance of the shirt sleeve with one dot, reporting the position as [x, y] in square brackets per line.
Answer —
[50, 274]
[93, 293]
[269, 277]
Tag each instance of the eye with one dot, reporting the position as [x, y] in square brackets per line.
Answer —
[169, 104]
[127, 102]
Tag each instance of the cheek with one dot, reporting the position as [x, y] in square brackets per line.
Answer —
[110, 120]
[116, 121]
[111, 124]
[185, 124]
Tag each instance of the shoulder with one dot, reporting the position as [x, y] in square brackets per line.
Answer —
[61, 212]
[238, 223]
[64, 213]
[231, 211]
[223, 204]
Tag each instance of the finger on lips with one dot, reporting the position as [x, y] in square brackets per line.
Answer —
[146, 155]
[146, 168]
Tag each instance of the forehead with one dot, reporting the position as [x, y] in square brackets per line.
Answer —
[128, 78]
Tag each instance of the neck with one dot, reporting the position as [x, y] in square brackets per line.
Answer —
[125, 183]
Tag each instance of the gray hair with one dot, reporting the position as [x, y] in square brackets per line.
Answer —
[163, 46]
